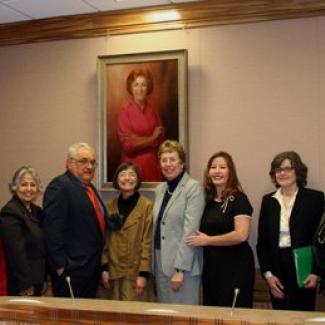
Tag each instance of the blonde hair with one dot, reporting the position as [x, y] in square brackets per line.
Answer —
[172, 146]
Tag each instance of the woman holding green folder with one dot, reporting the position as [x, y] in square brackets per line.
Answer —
[288, 220]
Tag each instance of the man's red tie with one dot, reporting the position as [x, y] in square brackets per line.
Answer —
[94, 200]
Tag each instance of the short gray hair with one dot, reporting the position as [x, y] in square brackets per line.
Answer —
[20, 173]
[73, 149]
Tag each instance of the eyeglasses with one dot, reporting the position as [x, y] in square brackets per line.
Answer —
[86, 162]
[126, 174]
[287, 169]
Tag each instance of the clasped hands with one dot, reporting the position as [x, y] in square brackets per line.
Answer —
[140, 283]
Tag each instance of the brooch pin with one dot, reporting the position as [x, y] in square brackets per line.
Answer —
[230, 198]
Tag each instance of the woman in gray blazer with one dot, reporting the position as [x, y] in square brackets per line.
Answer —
[177, 214]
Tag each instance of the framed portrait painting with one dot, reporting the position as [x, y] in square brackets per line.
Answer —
[142, 102]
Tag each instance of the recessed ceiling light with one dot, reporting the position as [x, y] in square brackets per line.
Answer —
[165, 15]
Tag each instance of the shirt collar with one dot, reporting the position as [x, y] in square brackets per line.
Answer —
[279, 196]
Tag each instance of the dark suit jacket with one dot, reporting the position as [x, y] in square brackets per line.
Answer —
[24, 245]
[72, 232]
[305, 217]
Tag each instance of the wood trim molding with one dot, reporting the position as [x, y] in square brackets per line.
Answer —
[191, 15]
[49, 310]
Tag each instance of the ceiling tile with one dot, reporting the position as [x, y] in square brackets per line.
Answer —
[49, 8]
[8, 15]
[18, 10]
[105, 5]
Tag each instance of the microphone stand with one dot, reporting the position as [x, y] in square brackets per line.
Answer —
[68, 280]
[236, 293]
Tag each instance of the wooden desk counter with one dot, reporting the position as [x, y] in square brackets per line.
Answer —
[48, 310]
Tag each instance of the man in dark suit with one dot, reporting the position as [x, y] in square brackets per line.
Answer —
[74, 225]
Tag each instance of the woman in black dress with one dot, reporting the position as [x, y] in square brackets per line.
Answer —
[22, 236]
[225, 227]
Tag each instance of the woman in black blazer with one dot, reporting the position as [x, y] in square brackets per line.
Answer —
[288, 219]
[22, 236]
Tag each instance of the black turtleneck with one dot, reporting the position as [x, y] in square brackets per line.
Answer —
[125, 206]
[171, 185]
[174, 182]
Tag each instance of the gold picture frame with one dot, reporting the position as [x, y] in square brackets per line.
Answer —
[168, 71]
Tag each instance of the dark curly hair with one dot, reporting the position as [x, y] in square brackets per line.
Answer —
[297, 164]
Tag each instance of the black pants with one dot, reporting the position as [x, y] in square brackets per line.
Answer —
[38, 289]
[295, 298]
[82, 287]
[13, 290]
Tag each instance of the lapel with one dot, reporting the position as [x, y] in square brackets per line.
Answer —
[101, 203]
[177, 192]
[297, 205]
[83, 192]
[135, 214]
[160, 192]
[274, 215]
[16, 208]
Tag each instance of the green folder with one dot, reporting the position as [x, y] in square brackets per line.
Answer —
[303, 257]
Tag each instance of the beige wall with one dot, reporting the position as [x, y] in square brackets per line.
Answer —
[254, 90]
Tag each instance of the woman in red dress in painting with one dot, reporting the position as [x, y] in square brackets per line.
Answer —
[139, 127]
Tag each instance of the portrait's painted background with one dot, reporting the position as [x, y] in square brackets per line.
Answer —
[165, 95]
[254, 90]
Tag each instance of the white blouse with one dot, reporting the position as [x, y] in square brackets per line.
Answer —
[284, 237]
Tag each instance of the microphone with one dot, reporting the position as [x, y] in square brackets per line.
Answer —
[68, 279]
[236, 293]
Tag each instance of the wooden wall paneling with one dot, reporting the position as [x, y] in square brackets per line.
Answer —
[193, 14]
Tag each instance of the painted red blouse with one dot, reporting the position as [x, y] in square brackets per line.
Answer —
[132, 120]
